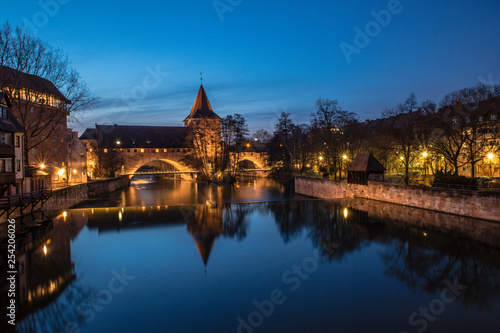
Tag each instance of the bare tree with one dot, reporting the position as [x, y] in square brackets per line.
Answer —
[466, 126]
[205, 154]
[329, 124]
[470, 95]
[21, 55]
[404, 129]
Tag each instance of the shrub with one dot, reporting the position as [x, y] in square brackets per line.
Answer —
[441, 177]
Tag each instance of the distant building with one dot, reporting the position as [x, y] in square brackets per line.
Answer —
[11, 150]
[120, 146]
[77, 159]
[42, 110]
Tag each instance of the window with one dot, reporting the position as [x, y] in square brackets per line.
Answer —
[2, 165]
[6, 138]
[18, 140]
[18, 165]
[481, 119]
[493, 117]
[8, 165]
[4, 113]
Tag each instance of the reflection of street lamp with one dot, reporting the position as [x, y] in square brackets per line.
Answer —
[490, 157]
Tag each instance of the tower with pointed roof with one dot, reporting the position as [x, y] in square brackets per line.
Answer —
[201, 110]
[204, 131]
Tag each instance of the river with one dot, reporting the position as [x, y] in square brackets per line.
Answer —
[155, 258]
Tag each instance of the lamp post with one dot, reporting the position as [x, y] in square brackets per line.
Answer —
[424, 154]
[490, 157]
[342, 163]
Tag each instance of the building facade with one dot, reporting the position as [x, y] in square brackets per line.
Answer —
[42, 110]
[11, 150]
[77, 159]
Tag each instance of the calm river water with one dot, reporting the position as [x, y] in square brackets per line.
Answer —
[154, 258]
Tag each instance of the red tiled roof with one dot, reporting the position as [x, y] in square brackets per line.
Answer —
[201, 107]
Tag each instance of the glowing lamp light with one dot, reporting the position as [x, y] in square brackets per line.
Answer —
[424, 154]
[74, 171]
[490, 156]
[346, 213]
[321, 158]
[45, 249]
[344, 157]
[248, 145]
[401, 158]
[118, 142]
[60, 172]
[42, 166]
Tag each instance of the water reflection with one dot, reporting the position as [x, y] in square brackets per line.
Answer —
[179, 192]
[408, 251]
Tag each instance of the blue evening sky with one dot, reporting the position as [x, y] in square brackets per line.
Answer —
[259, 58]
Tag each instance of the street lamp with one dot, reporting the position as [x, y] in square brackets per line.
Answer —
[490, 157]
[424, 154]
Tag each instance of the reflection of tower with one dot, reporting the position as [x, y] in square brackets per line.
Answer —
[205, 225]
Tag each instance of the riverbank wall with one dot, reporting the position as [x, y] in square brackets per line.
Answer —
[482, 205]
[70, 196]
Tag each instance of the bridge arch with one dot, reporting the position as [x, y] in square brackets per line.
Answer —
[177, 165]
[253, 160]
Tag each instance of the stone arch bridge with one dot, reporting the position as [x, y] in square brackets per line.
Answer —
[134, 159]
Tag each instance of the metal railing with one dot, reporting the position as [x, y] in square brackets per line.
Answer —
[11, 203]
